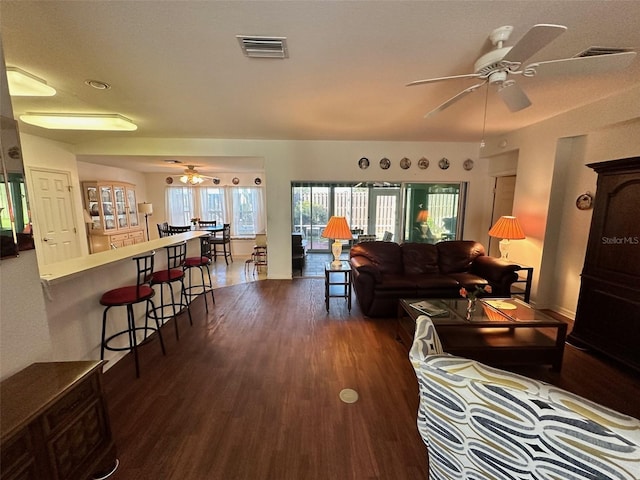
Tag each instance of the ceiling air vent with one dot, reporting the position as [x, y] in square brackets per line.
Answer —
[263, 47]
[595, 51]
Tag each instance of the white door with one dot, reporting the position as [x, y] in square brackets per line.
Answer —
[57, 234]
[504, 192]
[383, 212]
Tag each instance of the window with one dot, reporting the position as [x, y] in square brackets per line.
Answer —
[410, 212]
[242, 207]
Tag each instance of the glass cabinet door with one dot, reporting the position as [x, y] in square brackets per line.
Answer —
[93, 207]
[133, 208]
[108, 207]
[121, 207]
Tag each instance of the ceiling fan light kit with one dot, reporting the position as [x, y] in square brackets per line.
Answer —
[495, 66]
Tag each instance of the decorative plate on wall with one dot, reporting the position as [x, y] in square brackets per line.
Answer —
[216, 181]
[468, 164]
[405, 163]
[257, 181]
[169, 180]
[423, 163]
[363, 163]
[584, 201]
[444, 163]
[385, 163]
[235, 180]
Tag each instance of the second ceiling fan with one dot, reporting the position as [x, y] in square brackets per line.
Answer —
[496, 66]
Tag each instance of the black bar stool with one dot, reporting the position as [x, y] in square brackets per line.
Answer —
[202, 263]
[128, 296]
[174, 272]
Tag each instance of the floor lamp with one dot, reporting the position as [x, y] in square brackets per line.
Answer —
[147, 209]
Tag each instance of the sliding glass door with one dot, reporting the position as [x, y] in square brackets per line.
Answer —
[412, 212]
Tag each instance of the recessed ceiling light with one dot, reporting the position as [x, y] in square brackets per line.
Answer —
[97, 84]
[24, 84]
[78, 121]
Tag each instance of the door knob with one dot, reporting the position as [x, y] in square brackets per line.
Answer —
[45, 239]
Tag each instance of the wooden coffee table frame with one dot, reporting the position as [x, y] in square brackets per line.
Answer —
[499, 340]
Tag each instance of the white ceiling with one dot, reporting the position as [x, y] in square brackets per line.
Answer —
[176, 68]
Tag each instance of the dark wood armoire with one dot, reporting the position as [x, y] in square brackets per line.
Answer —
[608, 313]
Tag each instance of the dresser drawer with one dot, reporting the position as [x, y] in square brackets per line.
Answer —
[71, 404]
[120, 237]
[17, 458]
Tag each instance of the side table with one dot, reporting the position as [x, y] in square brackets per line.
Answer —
[526, 280]
[337, 283]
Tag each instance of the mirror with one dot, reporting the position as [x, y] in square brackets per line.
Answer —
[16, 233]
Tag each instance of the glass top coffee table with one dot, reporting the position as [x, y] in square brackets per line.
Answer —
[501, 331]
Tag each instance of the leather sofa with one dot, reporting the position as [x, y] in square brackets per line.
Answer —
[384, 272]
[480, 422]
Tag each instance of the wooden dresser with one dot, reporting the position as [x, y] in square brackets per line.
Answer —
[55, 424]
[608, 313]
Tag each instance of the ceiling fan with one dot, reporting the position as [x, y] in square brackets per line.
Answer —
[498, 65]
[192, 177]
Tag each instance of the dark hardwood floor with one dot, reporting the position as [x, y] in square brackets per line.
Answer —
[251, 392]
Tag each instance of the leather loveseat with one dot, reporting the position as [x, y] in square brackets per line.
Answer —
[384, 272]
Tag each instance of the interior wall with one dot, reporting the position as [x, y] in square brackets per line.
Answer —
[41, 153]
[610, 128]
[287, 161]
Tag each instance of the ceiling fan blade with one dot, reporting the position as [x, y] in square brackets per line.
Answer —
[455, 98]
[581, 65]
[439, 79]
[513, 96]
[535, 39]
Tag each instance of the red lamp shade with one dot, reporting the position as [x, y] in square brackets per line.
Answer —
[507, 227]
[422, 217]
[338, 229]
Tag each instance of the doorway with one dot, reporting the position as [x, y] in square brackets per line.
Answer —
[503, 194]
[56, 233]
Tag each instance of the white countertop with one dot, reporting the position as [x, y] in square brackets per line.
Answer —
[77, 265]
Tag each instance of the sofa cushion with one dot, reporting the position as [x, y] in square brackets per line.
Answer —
[420, 258]
[387, 256]
[395, 281]
[469, 280]
[457, 256]
[436, 281]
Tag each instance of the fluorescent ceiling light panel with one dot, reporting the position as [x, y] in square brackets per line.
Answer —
[23, 84]
[71, 121]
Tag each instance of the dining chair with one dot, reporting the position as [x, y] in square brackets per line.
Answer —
[163, 229]
[223, 242]
[176, 229]
[204, 224]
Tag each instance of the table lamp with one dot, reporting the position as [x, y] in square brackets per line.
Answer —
[147, 209]
[508, 228]
[338, 229]
[423, 216]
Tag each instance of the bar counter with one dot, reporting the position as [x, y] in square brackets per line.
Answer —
[78, 265]
[73, 288]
